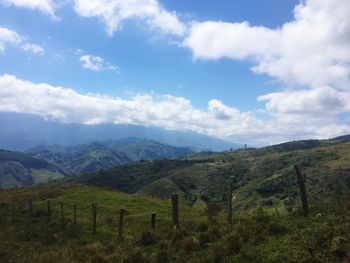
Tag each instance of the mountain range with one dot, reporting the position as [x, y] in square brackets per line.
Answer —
[20, 132]
[95, 156]
[45, 163]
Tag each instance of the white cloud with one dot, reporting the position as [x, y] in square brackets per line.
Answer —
[8, 36]
[96, 63]
[46, 6]
[178, 113]
[113, 12]
[310, 56]
[323, 100]
[311, 50]
[36, 49]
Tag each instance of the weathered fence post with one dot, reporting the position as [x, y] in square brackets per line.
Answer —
[153, 221]
[48, 210]
[94, 213]
[121, 223]
[301, 182]
[229, 208]
[30, 207]
[75, 214]
[175, 209]
[62, 215]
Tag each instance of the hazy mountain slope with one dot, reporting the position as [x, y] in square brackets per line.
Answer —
[19, 169]
[263, 177]
[23, 131]
[101, 155]
[141, 149]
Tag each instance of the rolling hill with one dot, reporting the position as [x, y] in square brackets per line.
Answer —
[101, 155]
[20, 169]
[262, 177]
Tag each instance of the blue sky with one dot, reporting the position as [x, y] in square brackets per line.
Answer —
[251, 68]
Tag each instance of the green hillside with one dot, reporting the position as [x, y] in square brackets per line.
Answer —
[203, 236]
[95, 156]
[19, 169]
[262, 177]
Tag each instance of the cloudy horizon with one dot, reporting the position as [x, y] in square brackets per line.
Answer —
[275, 83]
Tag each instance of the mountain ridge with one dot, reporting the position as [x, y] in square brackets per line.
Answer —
[15, 134]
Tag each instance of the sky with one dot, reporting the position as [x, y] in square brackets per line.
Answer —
[247, 71]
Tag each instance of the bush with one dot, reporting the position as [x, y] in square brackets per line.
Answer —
[190, 244]
[136, 256]
[233, 244]
[276, 228]
[202, 227]
[148, 238]
[218, 253]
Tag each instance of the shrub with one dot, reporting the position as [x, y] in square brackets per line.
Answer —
[161, 256]
[148, 238]
[190, 244]
[218, 252]
[276, 228]
[202, 227]
[233, 244]
[136, 256]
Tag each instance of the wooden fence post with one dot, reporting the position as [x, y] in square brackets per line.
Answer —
[175, 209]
[121, 223]
[153, 221]
[48, 210]
[62, 215]
[301, 182]
[94, 213]
[30, 208]
[229, 208]
[75, 214]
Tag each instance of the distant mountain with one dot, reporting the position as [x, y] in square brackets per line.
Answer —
[296, 145]
[342, 138]
[20, 169]
[22, 131]
[101, 155]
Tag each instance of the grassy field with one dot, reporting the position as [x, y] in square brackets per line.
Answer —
[204, 236]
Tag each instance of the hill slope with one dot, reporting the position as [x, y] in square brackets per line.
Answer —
[19, 169]
[262, 177]
[203, 236]
[101, 155]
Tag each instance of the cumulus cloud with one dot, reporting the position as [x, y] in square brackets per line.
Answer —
[8, 36]
[312, 50]
[66, 105]
[33, 48]
[96, 63]
[178, 113]
[309, 55]
[46, 6]
[113, 12]
[325, 100]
